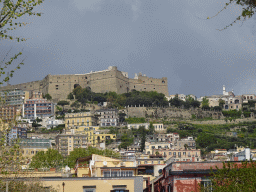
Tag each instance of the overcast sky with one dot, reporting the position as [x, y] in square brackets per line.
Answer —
[160, 38]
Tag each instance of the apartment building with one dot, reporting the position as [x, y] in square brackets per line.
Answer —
[93, 134]
[30, 147]
[186, 143]
[8, 112]
[150, 146]
[101, 166]
[35, 95]
[51, 122]
[34, 108]
[193, 155]
[66, 143]
[173, 137]
[15, 133]
[93, 184]
[108, 117]
[73, 120]
[15, 97]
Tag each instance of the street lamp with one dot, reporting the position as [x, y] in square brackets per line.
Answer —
[63, 184]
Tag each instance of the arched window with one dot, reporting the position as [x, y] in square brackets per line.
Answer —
[76, 85]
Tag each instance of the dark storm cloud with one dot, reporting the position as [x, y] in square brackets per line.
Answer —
[167, 38]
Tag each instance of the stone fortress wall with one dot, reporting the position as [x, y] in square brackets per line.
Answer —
[170, 112]
[111, 79]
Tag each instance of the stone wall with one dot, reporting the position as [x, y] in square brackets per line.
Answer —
[170, 112]
[59, 86]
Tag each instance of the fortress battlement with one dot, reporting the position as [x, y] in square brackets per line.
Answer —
[111, 79]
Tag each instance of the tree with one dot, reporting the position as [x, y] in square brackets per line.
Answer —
[126, 140]
[121, 117]
[11, 10]
[176, 101]
[142, 132]
[63, 103]
[205, 103]
[204, 140]
[151, 129]
[221, 103]
[48, 96]
[248, 11]
[75, 104]
[70, 96]
[233, 177]
[49, 159]
[36, 124]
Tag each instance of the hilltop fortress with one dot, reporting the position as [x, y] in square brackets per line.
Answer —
[111, 79]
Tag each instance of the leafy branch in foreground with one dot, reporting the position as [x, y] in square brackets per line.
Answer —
[11, 10]
[248, 10]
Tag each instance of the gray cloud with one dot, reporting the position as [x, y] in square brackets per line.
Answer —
[170, 38]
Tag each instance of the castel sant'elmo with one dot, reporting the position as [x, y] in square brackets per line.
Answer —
[111, 79]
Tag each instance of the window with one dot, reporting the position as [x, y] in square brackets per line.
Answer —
[179, 154]
[170, 153]
[174, 153]
[106, 173]
[207, 184]
[184, 153]
[89, 188]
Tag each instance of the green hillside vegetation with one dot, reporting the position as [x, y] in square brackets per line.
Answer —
[210, 137]
[134, 97]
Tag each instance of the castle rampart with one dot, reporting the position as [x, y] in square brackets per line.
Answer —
[111, 79]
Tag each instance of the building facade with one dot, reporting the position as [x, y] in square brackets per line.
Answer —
[159, 127]
[108, 117]
[14, 97]
[74, 120]
[151, 146]
[30, 147]
[138, 125]
[41, 108]
[66, 143]
[180, 154]
[8, 112]
[16, 133]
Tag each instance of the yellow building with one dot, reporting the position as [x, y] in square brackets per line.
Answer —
[28, 153]
[30, 147]
[95, 184]
[73, 120]
[101, 166]
[92, 134]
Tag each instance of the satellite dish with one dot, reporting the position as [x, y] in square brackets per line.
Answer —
[105, 163]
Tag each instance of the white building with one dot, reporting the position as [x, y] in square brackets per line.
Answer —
[51, 122]
[138, 125]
